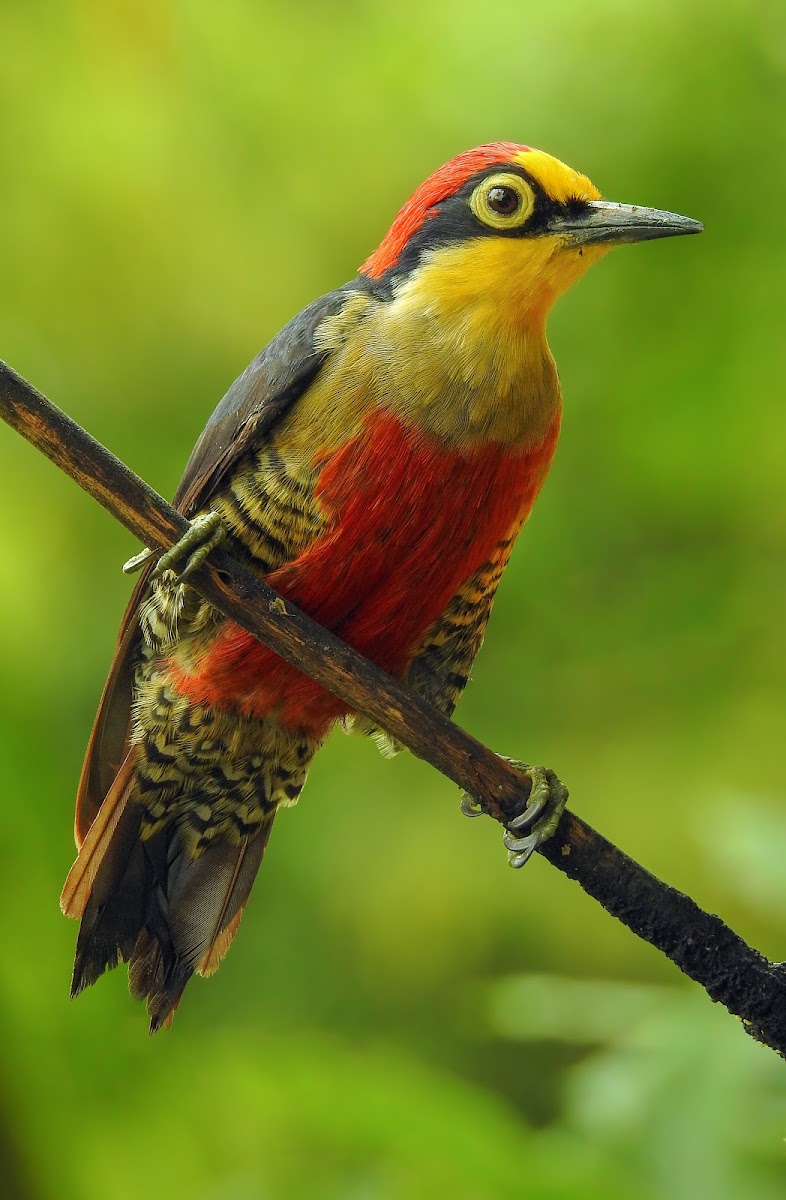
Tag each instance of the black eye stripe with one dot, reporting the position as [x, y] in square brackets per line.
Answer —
[452, 220]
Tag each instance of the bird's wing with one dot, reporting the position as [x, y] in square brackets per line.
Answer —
[255, 402]
[248, 412]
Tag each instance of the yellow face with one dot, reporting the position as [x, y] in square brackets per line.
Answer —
[520, 276]
[451, 334]
[513, 235]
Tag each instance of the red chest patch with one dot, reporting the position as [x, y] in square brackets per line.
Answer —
[412, 521]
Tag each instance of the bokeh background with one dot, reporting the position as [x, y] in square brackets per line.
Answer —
[402, 1017]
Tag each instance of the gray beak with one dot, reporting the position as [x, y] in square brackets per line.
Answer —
[605, 221]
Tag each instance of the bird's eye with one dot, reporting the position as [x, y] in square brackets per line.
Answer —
[502, 201]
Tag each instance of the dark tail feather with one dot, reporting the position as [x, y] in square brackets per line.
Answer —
[207, 894]
[132, 924]
[195, 920]
[115, 909]
[163, 912]
[125, 919]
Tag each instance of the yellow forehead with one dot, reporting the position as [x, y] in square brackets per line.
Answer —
[558, 180]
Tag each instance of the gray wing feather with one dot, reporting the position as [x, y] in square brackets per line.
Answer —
[250, 409]
[256, 400]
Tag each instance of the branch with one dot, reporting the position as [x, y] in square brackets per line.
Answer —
[732, 973]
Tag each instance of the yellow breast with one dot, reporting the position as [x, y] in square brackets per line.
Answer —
[459, 349]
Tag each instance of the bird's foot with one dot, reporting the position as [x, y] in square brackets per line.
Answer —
[203, 535]
[539, 820]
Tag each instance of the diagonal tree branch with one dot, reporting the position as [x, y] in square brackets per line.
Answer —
[699, 943]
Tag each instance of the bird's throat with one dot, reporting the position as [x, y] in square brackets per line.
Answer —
[457, 351]
[461, 347]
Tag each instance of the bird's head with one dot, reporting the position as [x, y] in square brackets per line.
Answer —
[509, 226]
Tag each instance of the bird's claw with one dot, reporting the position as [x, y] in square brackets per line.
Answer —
[203, 535]
[539, 820]
[520, 850]
[470, 806]
[137, 561]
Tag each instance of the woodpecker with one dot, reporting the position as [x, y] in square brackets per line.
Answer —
[375, 464]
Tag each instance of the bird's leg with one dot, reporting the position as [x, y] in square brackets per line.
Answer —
[539, 820]
[203, 535]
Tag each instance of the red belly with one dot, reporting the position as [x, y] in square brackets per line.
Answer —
[412, 521]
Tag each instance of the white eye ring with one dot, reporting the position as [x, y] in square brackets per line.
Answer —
[490, 208]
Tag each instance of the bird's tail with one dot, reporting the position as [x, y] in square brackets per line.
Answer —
[152, 903]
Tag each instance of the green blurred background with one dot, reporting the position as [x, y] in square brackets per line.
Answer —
[402, 1017]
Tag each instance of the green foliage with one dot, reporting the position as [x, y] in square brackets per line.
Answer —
[179, 179]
